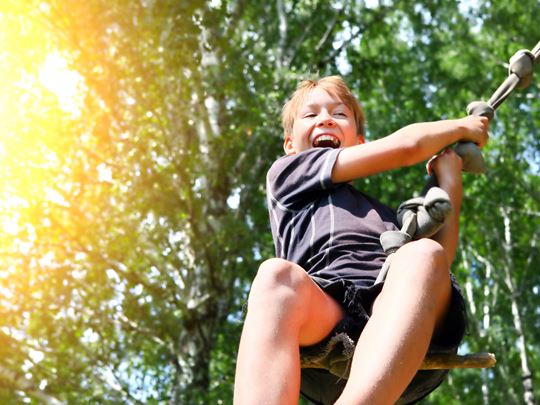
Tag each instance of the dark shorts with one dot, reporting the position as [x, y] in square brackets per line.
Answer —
[323, 387]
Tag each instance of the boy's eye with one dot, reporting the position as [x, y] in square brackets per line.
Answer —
[309, 115]
[340, 113]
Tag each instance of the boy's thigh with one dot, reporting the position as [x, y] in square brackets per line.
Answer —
[322, 314]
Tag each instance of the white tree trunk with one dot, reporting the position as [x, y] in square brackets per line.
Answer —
[528, 393]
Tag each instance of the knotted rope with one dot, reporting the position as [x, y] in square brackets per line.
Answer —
[419, 217]
[520, 73]
[422, 217]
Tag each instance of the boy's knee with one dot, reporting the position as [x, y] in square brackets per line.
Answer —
[426, 250]
[279, 281]
[424, 259]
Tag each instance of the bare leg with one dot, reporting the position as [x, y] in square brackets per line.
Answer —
[391, 348]
[286, 309]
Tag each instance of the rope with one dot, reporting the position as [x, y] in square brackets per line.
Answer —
[419, 217]
[520, 74]
[422, 217]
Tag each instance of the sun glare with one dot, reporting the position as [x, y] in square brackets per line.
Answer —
[65, 83]
[40, 94]
[23, 141]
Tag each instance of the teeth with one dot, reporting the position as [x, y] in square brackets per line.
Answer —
[327, 140]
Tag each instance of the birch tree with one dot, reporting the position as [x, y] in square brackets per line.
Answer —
[135, 140]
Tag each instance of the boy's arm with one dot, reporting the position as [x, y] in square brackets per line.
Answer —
[447, 167]
[410, 145]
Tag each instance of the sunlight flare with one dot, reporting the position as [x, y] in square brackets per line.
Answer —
[67, 84]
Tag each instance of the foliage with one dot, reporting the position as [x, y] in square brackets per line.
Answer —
[135, 140]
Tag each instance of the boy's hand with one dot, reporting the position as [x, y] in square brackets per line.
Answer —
[446, 164]
[474, 129]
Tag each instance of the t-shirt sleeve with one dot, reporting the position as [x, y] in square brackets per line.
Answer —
[296, 180]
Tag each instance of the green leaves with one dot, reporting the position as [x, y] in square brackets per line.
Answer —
[134, 221]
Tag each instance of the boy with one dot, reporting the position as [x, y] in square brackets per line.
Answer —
[327, 239]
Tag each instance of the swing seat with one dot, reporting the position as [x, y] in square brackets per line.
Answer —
[323, 382]
[336, 354]
[432, 361]
[323, 379]
[445, 361]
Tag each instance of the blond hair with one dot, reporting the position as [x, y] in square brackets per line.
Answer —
[336, 87]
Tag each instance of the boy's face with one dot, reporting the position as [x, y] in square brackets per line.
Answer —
[322, 121]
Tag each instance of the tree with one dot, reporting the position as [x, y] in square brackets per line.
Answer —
[133, 208]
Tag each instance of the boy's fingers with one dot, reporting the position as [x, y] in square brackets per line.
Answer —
[429, 167]
[483, 140]
[430, 162]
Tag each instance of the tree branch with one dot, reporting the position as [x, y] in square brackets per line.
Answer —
[282, 29]
[329, 30]
[122, 388]
[20, 383]
[378, 17]
[338, 50]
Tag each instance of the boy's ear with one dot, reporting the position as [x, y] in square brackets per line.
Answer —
[361, 139]
[288, 145]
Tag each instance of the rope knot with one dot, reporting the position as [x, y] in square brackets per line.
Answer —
[431, 211]
[419, 217]
[522, 65]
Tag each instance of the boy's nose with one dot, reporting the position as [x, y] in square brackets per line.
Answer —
[326, 122]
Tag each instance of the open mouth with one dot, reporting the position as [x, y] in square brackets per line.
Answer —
[326, 141]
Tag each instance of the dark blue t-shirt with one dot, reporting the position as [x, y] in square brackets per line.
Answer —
[331, 230]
